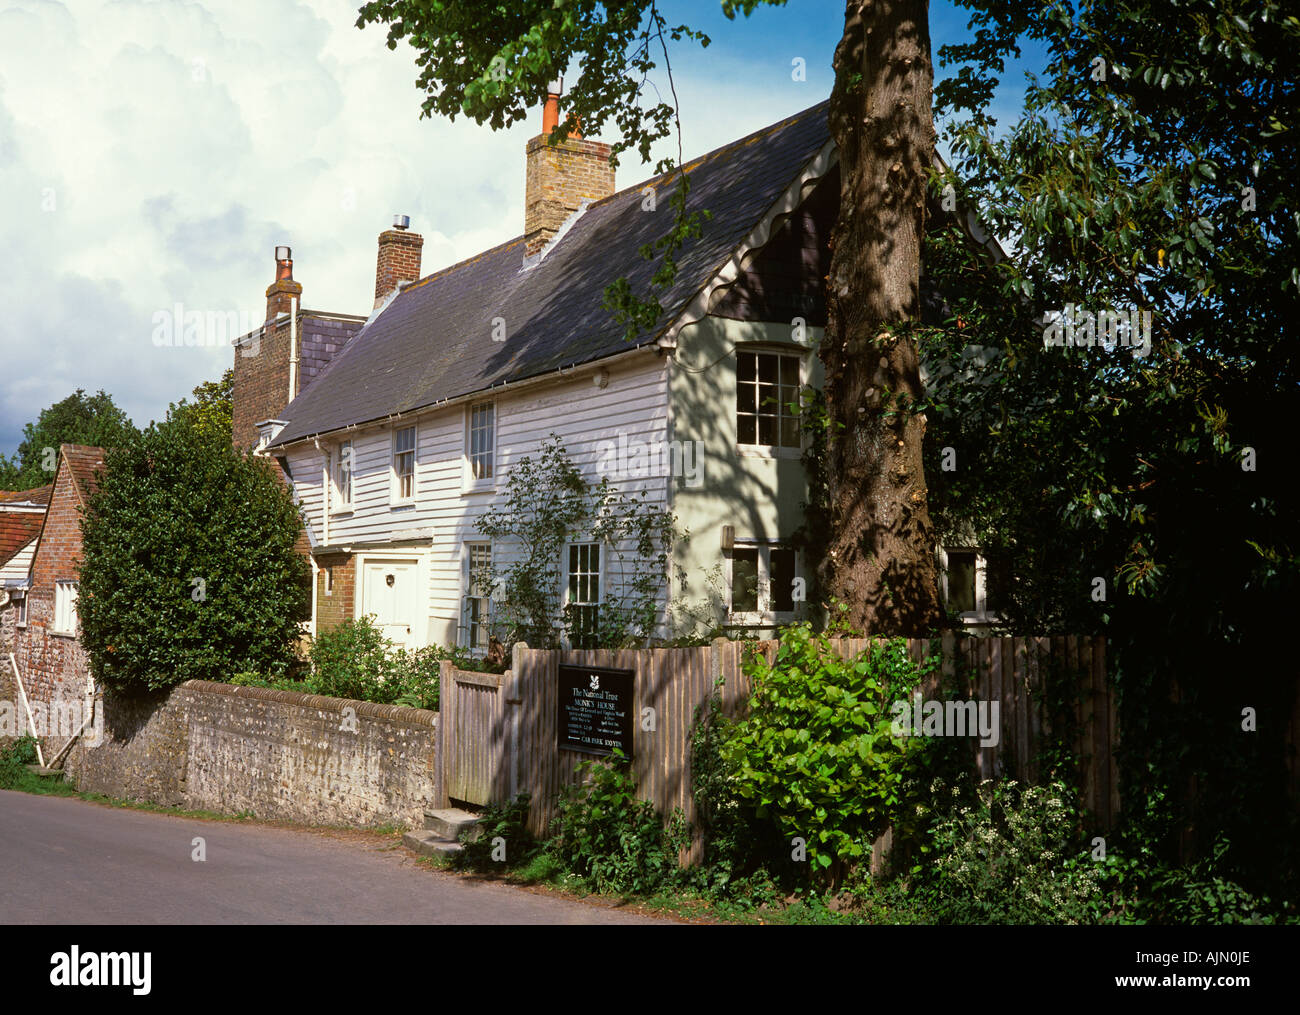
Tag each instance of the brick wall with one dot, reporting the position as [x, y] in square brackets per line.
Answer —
[54, 667]
[558, 178]
[261, 389]
[278, 754]
[336, 606]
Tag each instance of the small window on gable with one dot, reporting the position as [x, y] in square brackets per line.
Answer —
[482, 441]
[404, 463]
[65, 607]
[767, 385]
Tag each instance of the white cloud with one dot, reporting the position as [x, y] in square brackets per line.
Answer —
[156, 152]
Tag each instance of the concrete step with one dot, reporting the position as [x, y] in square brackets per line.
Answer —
[427, 843]
[449, 822]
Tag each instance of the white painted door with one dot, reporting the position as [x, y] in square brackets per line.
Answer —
[390, 595]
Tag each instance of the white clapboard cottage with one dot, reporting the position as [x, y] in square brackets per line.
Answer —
[397, 430]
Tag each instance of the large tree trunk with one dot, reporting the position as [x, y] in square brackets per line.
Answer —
[880, 558]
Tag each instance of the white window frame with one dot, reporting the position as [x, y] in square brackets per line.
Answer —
[472, 483]
[764, 616]
[339, 504]
[981, 615]
[566, 574]
[395, 497]
[65, 618]
[466, 639]
[767, 450]
[20, 618]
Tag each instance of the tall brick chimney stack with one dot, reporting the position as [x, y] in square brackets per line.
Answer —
[399, 258]
[560, 177]
[280, 292]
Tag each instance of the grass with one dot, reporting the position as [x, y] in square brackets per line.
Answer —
[58, 786]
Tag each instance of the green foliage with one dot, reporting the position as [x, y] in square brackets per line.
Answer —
[189, 568]
[612, 840]
[1013, 854]
[817, 753]
[14, 760]
[79, 419]
[355, 660]
[213, 407]
[548, 505]
[508, 821]
[1162, 184]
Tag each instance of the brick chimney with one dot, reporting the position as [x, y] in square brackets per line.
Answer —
[560, 177]
[284, 289]
[399, 258]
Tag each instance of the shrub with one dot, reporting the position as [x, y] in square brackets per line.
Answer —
[355, 660]
[1014, 854]
[615, 842]
[14, 759]
[508, 821]
[817, 753]
[188, 563]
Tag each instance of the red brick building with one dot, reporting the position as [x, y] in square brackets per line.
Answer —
[51, 662]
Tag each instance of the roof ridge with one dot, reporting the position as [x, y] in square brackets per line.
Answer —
[686, 167]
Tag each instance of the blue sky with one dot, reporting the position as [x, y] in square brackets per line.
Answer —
[155, 153]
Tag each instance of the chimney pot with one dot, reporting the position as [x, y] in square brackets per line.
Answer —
[401, 221]
[283, 263]
[281, 293]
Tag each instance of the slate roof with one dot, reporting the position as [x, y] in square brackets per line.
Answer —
[434, 339]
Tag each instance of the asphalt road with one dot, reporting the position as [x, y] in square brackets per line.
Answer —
[67, 861]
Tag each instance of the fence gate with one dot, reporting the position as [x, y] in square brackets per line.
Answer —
[474, 736]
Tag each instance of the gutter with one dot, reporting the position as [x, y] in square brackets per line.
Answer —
[550, 377]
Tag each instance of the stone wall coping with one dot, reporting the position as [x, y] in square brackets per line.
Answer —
[395, 713]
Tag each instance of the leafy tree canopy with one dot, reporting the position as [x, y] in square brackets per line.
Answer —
[78, 419]
[189, 568]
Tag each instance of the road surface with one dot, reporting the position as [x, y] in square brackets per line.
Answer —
[68, 861]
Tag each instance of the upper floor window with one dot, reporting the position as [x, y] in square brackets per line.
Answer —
[763, 582]
[404, 463]
[482, 441]
[21, 619]
[974, 586]
[583, 594]
[65, 607]
[342, 477]
[767, 385]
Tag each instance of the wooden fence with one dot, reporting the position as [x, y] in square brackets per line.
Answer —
[498, 735]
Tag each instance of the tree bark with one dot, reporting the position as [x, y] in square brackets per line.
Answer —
[880, 556]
